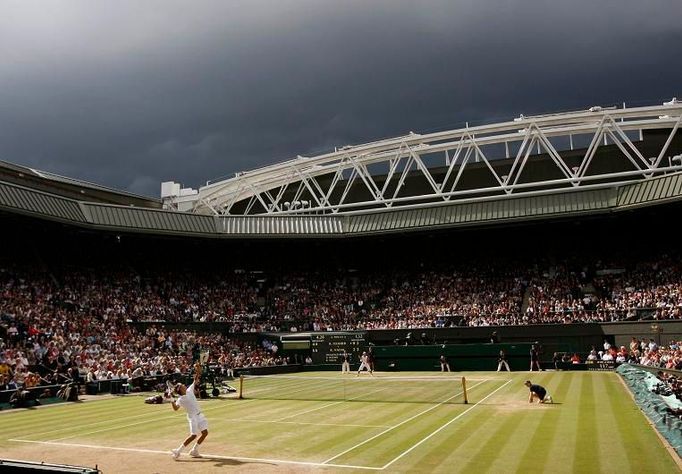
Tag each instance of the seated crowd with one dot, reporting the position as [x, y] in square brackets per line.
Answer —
[502, 294]
[90, 350]
[77, 319]
[644, 352]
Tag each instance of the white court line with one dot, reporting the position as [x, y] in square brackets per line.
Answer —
[95, 423]
[365, 394]
[239, 420]
[110, 428]
[152, 415]
[157, 418]
[454, 376]
[445, 425]
[291, 383]
[116, 427]
[308, 411]
[207, 456]
[399, 424]
[331, 404]
[288, 385]
[86, 425]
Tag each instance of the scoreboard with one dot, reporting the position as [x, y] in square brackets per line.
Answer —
[328, 347]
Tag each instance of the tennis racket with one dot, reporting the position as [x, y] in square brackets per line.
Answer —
[170, 389]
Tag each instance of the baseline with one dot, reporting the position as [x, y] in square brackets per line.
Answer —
[209, 456]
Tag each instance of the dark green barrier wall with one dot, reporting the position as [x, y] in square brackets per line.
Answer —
[553, 337]
[459, 356]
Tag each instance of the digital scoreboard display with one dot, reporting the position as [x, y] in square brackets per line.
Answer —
[328, 347]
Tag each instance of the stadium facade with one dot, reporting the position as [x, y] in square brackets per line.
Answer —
[544, 195]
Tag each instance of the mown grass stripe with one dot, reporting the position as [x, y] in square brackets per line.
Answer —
[157, 417]
[444, 453]
[456, 448]
[393, 427]
[538, 448]
[561, 452]
[630, 433]
[611, 447]
[389, 414]
[205, 455]
[397, 445]
[487, 452]
[387, 448]
[468, 442]
[334, 440]
[82, 410]
[586, 454]
[446, 425]
[94, 418]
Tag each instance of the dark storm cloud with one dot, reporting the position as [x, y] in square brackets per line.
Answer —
[132, 93]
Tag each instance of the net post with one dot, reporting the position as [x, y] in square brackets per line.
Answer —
[241, 386]
[464, 390]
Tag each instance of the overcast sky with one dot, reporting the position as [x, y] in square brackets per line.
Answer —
[132, 93]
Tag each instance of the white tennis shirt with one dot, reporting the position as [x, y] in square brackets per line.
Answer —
[189, 402]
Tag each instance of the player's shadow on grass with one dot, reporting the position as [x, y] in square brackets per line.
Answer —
[222, 462]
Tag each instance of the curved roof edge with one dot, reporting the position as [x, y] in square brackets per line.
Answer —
[597, 199]
[72, 188]
[550, 152]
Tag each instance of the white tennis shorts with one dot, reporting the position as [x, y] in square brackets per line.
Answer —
[197, 424]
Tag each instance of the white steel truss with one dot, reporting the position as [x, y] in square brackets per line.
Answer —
[373, 176]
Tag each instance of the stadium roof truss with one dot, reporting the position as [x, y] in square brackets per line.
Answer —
[542, 167]
[374, 176]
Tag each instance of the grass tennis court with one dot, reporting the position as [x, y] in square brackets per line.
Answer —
[594, 427]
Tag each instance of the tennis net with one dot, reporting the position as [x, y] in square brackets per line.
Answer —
[361, 389]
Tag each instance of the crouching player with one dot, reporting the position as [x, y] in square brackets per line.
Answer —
[197, 422]
[539, 392]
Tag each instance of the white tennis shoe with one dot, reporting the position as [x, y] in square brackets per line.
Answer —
[195, 453]
[175, 453]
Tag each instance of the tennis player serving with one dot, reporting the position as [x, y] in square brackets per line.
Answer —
[198, 425]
